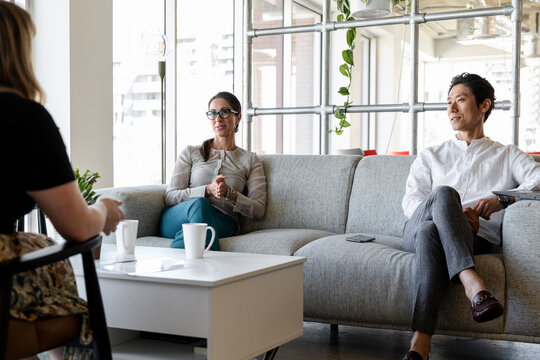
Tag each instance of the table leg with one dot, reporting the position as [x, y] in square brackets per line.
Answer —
[271, 354]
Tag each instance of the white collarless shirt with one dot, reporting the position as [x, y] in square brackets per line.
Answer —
[474, 171]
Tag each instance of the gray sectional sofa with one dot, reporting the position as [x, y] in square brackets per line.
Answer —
[315, 200]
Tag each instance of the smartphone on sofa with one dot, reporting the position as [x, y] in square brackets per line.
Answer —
[359, 238]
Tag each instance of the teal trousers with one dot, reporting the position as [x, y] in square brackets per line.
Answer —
[196, 210]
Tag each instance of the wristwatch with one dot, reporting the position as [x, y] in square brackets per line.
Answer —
[504, 200]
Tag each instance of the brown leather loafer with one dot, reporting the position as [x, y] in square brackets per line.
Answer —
[485, 307]
[413, 355]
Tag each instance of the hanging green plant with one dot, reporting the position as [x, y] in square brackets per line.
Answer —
[86, 182]
[344, 14]
[346, 68]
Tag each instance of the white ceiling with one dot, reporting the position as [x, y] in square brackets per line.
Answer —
[449, 29]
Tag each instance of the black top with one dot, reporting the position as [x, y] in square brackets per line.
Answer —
[32, 156]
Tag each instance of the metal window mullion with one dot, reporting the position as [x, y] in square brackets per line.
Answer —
[366, 90]
[394, 20]
[248, 42]
[329, 109]
[517, 16]
[286, 74]
[414, 78]
[324, 122]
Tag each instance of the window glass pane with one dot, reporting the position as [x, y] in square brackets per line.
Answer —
[496, 70]
[267, 13]
[286, 73]
[205, 54]
[299, 134]
[305, 64]
[136, 84]
[267, 92]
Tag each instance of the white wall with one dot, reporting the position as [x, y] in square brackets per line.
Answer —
[73, 59]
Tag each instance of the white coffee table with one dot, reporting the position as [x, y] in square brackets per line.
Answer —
[243, 304]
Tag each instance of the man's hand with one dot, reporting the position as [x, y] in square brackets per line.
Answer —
[472, 218]
[486, 207]
[218, 187]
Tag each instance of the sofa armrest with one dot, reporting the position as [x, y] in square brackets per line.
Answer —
[521, 252]
[143, 203]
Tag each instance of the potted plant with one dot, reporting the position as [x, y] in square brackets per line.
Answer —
[86, 183]
[347, 11]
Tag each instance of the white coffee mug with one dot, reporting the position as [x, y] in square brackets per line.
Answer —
[126, 234]
[194, 239]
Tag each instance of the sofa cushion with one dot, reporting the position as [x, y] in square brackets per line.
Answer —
[143, 203]
[371, 283]
[377, 191]
[154, 241]
[271, 241]
[305, 192]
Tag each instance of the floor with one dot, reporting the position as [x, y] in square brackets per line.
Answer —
[319, 342]
[349, 342]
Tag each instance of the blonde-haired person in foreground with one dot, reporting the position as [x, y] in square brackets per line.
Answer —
[36, 169]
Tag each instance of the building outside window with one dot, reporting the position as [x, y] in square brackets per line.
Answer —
[205, 64]
[137, 25]
[286, 73]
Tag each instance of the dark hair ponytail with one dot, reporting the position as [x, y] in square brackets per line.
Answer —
[205, 149]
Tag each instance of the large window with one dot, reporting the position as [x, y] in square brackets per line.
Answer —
[286, 73]
[447, 48]
[205, 64]
[137, 26]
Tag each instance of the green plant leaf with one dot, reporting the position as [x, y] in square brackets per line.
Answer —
[339, 132]
[85, 182]
[351, 35]
[344, 69]
[343, 90]
[340, 5]
[339, 114]
[343, 6]
[340, 18]
[344, 123]
[348, 56]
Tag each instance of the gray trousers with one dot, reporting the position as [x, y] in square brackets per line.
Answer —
[443, 242]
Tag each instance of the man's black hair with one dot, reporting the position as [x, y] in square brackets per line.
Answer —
[479, 86]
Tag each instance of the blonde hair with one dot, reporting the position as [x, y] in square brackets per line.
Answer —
[16, 71]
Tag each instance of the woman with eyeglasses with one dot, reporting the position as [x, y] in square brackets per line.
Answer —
[216, 182]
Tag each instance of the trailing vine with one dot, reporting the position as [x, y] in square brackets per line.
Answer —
[346, 68]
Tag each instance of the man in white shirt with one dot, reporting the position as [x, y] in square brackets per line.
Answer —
[452, 212]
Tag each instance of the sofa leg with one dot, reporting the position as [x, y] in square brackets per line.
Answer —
[334, 328]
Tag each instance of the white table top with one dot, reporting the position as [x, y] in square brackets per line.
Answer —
[157, 264]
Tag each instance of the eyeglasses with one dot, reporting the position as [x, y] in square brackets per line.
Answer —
[223, 113]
